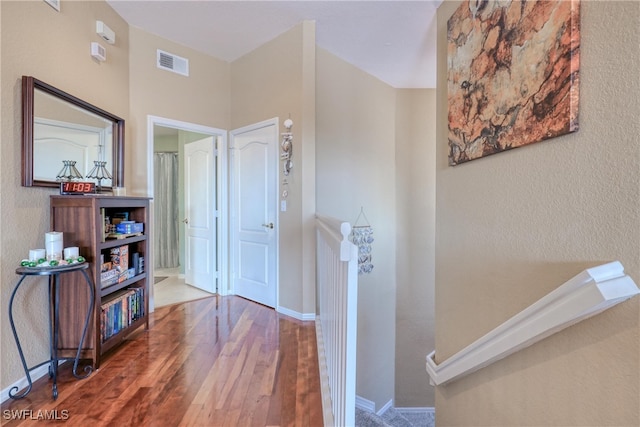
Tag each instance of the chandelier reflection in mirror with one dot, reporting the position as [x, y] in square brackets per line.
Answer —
[69, 172]
[362, 237]
[99, 172]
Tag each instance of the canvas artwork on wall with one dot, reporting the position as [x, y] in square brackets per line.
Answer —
[513, 75]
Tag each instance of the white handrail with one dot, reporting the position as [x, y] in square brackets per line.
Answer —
[587, 294]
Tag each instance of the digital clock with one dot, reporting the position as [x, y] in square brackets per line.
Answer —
[77, 187]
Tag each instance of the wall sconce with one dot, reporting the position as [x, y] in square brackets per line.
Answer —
[69, 172]
[287, 147]
[99, 172]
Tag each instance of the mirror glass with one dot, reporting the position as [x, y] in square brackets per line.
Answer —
[59, 129]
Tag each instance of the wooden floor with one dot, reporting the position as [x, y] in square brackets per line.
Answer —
[218, 361]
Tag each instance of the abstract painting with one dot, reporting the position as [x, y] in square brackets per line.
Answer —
[513, 74]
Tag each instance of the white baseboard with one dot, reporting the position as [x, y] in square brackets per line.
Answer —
[365, 404]
[369, 406]
[22, 383]
[300, 316]
[385, 407]
[426, 409]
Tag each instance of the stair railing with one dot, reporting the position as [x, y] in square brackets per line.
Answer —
[585, 295]
[336, 323]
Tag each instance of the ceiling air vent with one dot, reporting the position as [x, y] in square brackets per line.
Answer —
[170, 62]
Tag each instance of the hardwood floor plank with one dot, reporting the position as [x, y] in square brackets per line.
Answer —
[215, 362]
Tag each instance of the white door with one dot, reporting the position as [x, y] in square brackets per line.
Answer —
[201, 214]
[254, 231]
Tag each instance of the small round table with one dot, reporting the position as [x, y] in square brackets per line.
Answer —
[53, 324]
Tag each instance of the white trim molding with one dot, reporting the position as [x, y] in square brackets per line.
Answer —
[585, 295]
[305, 317]
[385, 408]
[365, 404]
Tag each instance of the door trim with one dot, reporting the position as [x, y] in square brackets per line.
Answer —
[275, 122]
[220, 136]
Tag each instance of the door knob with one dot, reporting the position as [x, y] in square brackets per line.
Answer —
[186, 221]
[270, 225]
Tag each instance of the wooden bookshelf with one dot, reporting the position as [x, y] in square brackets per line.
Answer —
[82, 220]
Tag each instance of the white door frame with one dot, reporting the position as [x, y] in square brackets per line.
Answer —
[233, 215]
[222, 191]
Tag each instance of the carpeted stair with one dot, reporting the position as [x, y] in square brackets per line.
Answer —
[392, 418]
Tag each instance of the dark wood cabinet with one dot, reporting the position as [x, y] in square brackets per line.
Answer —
[82, 220]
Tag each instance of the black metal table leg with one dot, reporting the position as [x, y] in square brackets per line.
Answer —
[54, 318]
[88, 369]
[14, 390]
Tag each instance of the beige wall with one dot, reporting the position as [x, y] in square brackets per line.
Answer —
[53, 47]
[514, 226]
[271, 82]
[202, 98]
[355, 128]
[415, 242]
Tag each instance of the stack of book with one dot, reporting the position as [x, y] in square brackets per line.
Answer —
[121, 310]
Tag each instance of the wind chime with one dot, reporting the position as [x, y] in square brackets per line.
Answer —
[362, 237]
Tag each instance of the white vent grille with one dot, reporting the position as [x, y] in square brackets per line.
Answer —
[170, 62]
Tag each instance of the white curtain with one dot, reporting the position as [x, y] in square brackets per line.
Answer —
[165, 246]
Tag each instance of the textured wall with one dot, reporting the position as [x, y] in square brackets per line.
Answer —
[514, 226]
[53, 47]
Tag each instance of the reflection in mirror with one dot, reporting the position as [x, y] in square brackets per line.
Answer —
[59, 129]
[64, 132]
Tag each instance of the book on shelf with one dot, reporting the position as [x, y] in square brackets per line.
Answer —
[119, 310]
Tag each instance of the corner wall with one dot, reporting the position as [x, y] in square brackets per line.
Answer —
[415, 241]
[356, 169]
[514, 226]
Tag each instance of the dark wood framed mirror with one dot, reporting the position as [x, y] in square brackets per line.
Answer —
[58, 127]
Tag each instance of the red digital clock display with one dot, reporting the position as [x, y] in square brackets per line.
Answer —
[77, 187]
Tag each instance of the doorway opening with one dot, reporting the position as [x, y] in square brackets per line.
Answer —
[189, 236]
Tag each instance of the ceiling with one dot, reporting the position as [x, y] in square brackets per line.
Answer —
[394, 41]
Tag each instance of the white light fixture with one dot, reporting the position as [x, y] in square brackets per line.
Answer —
[98, 52]
[105, 32]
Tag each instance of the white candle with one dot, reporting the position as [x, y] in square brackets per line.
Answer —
[36, 254]
[119, 191]
[53, 245]
[71, 252]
